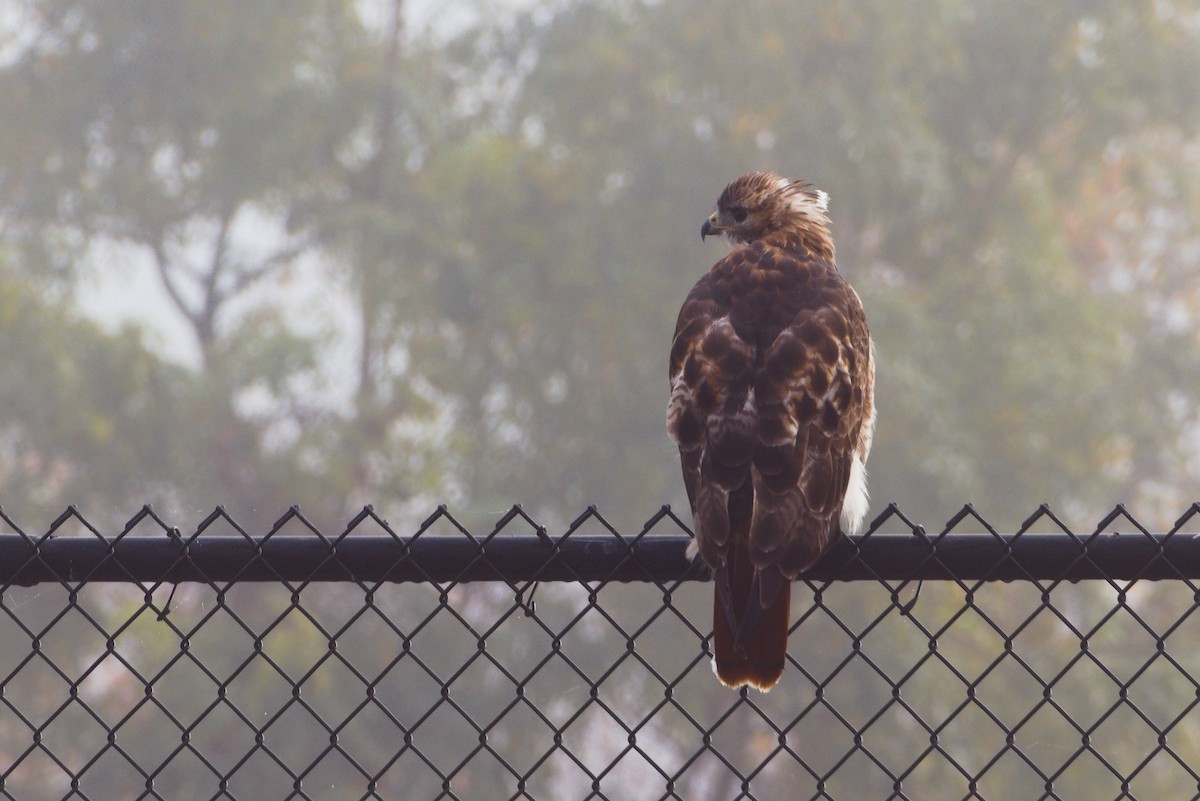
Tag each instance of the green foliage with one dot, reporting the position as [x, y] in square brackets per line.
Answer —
[82, 412]
[500, 228]
[505, 225]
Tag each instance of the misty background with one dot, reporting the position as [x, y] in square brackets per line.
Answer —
[332, 253]
[410, 253]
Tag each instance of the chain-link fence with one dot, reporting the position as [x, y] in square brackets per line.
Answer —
[440, 663]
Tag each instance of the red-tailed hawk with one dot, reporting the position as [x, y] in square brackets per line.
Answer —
[772, 408]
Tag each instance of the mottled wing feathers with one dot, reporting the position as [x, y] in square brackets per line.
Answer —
[767, 384]
[808, 432]
[710, 376]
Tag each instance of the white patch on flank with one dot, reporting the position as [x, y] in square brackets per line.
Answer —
[854, 505]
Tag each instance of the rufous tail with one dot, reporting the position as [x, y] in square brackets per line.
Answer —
[749, 639]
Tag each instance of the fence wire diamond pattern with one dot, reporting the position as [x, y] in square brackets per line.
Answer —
[444, 665]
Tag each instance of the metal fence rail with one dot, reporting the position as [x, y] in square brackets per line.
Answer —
[440, 663]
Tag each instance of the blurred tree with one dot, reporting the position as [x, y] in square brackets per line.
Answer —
[91, 418]
[188, 135]
[70, 424]
[952, 178]
[505, 219]
[509, 216]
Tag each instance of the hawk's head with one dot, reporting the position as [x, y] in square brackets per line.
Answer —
[763, 205]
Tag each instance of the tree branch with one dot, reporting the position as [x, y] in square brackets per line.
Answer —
[162, 265]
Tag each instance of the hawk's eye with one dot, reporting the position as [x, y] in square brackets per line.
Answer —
[739, 214]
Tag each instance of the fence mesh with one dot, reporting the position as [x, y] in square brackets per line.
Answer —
[305, 680]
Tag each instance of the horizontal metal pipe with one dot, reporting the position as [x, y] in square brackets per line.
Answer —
[521, 558]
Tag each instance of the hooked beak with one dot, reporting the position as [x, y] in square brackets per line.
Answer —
[710, 227]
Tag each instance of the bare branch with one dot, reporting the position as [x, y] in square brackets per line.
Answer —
[162, 264]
